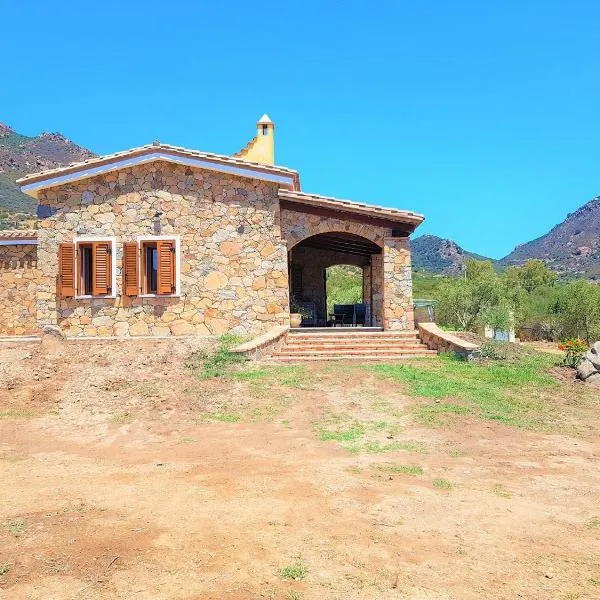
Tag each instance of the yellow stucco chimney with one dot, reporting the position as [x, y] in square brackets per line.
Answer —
[261, 148]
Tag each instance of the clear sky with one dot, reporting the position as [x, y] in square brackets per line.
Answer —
[482, 115]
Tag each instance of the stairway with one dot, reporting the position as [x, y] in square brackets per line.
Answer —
[345, 343]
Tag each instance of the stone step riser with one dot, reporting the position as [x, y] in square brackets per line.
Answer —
[340, 331]
[351, 358]
[362, 347]
[336, 338]
[357, 353]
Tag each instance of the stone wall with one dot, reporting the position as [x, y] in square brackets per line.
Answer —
[234, 274]
[442, 341]
[297, 226]
[19, 278]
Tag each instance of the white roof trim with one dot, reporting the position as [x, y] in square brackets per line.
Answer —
[32, 188]
[18, 242]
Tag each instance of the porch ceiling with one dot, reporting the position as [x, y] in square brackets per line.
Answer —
[341, 242]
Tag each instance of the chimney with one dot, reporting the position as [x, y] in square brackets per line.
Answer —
[261, 148]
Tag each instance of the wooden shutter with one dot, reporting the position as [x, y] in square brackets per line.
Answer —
[102, 276]
[130, 269]
[166, 267]
[66, 270]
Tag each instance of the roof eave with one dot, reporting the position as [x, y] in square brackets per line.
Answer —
[409, 218]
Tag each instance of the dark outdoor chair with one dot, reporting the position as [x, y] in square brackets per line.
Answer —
[343, 314]
[360, 314]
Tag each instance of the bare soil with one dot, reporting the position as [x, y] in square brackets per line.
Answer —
[125, 476]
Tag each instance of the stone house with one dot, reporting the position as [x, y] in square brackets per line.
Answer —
[161, 240]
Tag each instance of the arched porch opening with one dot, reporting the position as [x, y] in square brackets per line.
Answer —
[308, 263]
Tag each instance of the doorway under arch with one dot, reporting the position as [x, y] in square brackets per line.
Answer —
[308, 262]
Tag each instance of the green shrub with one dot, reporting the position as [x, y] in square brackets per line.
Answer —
[219, 363]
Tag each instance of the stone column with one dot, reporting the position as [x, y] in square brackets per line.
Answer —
[366, 280]
[397, 297]
[377, 290]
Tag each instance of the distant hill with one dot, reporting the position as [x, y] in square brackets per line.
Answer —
[570, 248]
[20, 155]
[436, 255]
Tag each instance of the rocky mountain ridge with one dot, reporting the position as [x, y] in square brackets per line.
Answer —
[20, 155]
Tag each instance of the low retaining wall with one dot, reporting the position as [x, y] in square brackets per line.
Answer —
[442, 341]
[264, 345]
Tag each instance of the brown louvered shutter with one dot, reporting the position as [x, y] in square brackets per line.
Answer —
[166, 267]
[130, 269]
[101, 268]
[66, 270]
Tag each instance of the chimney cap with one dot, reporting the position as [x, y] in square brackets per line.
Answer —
[265, 120]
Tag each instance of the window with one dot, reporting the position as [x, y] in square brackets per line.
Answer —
[150, 267]
[86, 268]
[265, 129]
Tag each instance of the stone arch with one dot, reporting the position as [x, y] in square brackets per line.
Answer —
[297, 227]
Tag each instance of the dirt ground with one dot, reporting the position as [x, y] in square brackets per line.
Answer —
[125, 476]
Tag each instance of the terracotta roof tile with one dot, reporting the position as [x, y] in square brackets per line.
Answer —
[18, 234]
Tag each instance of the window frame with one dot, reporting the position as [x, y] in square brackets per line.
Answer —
[90, 239]
[140, 241]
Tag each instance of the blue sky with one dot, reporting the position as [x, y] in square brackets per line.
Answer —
[484, 116]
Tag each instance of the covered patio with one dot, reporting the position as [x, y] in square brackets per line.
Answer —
[321, 232]
[308, 263]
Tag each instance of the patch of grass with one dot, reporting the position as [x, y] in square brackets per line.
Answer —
[456, 453]
[16, 527]
[505, 391]
[12, 413]
[502, 492]
[219, 363]
[442, 484]
[294, 595]
[222, 417]
[186, 440]
[262, 380]
[148, 389]
[122, 418]
[432, 414]
[385, 407]
[401, 469]
[4, 568]
[593, 523]
[594, 581]
[381, 447]
[349, 434]
[296, 572]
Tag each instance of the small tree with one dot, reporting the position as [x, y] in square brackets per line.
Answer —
[475, 299]
[577, 308]
[532, 275]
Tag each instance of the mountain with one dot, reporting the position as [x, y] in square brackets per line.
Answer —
[20, 155]
[570, 248]
[436, 255]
